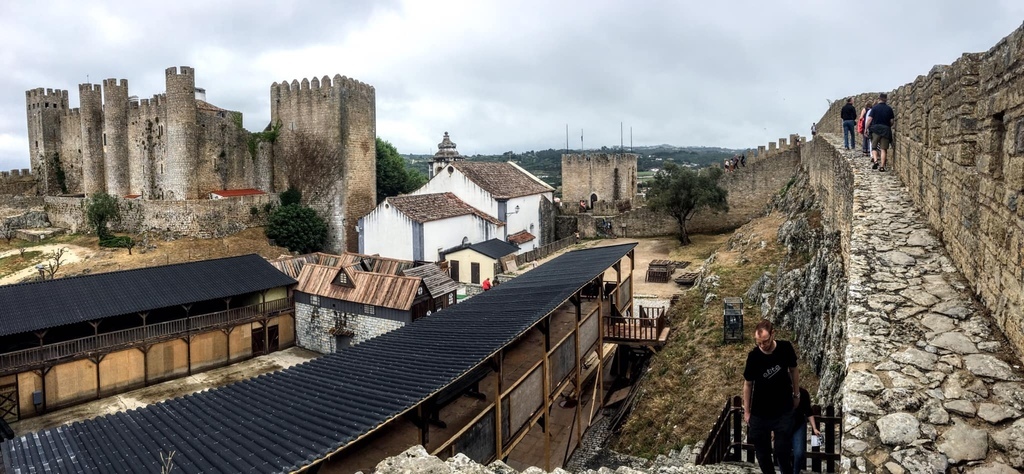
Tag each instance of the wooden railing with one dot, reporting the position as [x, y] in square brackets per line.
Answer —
[725, 440]
[635, 329]
[18, 360]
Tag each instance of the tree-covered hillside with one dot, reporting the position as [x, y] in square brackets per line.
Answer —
[547, 164]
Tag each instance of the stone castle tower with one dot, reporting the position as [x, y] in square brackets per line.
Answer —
[176, 146]
[342, 112]
[599, 177]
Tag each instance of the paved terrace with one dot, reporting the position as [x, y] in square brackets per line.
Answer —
[931, 382]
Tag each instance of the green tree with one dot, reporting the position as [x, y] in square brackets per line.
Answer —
[681, 192]
[291, 196]
[393, 177]
[297, 228]
[100, 209]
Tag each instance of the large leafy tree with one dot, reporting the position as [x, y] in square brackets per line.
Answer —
[100, 209]
[297, 228]
[393, 177]
[681, 192]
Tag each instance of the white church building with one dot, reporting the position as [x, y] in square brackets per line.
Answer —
[463, 203]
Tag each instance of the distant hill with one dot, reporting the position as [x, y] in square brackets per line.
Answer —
[547, 164]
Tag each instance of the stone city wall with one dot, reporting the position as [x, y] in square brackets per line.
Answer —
[17, 182]
[204, 218]
[750, 188]
[959, 149]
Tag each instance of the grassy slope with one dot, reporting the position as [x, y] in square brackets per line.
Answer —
[693, 376]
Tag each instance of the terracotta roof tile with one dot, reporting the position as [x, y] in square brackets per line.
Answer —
[502, 180]
[437, 206]
[521, 237]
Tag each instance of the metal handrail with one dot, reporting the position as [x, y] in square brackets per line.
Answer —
[138, 335]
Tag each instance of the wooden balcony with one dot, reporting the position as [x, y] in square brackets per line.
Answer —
[49, 354]
[650, 328]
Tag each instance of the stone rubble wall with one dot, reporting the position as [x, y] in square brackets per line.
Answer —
[204, 218]
[959, 149]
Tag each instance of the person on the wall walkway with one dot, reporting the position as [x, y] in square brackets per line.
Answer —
[849, 117]
[879, 123]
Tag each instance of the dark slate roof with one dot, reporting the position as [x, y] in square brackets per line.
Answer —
[285, 420]
[502, 180]
[494, 248]
[437, 281]
[44, 304]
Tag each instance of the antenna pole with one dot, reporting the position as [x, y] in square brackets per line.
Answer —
[621, 148]
[566, 138]
[584, 150]
[631, 139]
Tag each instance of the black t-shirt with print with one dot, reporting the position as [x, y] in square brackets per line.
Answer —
[773, 389]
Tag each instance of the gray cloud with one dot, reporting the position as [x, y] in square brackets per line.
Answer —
[506, 75]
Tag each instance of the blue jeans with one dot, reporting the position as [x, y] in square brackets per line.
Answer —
[849, 134]
[759, 433]
[799, 445]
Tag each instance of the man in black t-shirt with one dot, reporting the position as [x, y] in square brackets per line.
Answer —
[879, 124]
[771, 390]
[849, 117]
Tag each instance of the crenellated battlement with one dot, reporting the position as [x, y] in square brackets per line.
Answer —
[46, 98]
[294, 86]
[89, 89]
[180, 71]
[112, 83]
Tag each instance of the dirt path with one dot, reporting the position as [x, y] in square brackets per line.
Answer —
[74, 254]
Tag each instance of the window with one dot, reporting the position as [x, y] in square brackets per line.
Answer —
[451, 298]
[368, 309]
[342, 277]
[104, 139]
[314, 300]
[419, 291]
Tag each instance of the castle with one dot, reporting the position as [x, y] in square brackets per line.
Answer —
[178, 147]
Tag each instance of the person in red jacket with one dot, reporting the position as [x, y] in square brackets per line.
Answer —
[486, 284]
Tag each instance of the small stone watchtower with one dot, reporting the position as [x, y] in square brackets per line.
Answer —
[599, 177]
[446, 153]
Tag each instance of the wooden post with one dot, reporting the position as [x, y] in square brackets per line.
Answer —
[41, 335]
[95, 327]
[498, 387]
[188, 337]
[579, 379]
[546, 330]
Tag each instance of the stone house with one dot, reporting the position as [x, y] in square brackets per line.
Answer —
[420, 226]
[343, 303]
[475, 263]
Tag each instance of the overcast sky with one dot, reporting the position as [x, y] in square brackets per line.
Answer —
[503, 75]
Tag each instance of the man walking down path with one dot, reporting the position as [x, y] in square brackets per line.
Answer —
[879, 123]
[849, 116]
[771, 391]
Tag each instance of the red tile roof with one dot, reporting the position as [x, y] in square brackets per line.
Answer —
[238, 192]
[521, 237]
[436, 206]
[502, 180]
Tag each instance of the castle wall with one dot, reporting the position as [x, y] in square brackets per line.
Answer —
[204, 218]
[611, 176]
[94, 177]
[179, 174]
[115, 137]
[749, 189]
[224, 161]
[959, 149]
[71, 150]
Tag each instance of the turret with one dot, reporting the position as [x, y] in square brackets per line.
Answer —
[115, 136]
[43, 110]
[181, 160]
[446, 153]
[91, 112]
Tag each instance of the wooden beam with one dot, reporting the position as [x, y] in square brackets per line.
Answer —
[498, 442]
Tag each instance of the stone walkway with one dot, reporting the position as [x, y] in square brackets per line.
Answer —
[931, 383]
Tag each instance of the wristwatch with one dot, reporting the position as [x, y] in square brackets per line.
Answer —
[796, 395]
